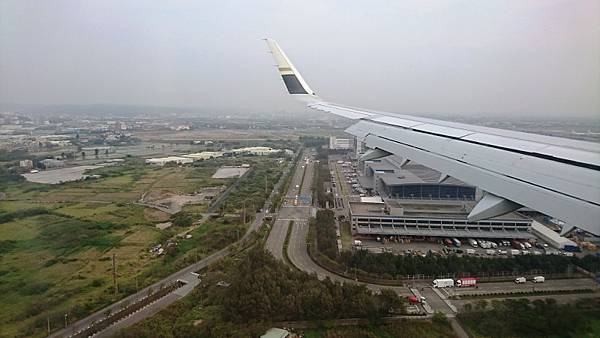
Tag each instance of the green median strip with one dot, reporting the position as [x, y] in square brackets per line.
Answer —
[286, 244]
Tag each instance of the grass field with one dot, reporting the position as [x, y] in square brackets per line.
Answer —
[59, 262]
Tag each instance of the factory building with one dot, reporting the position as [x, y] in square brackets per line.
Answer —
[170, 159]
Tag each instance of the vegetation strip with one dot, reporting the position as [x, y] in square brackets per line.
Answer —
[522, 294]
[286, 245]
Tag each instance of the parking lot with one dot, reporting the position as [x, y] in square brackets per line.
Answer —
[414, 246]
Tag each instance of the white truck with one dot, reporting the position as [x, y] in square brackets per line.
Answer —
[538, 279]
[470, 251]
[515, 252]
[520, 280]
[443, 283]
[473, 242]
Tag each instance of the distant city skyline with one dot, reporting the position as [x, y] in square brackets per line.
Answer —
[519, 59]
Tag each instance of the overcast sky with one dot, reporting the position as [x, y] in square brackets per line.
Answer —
[519, 58]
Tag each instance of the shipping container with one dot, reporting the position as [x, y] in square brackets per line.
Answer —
[443, 283]
[466, 282]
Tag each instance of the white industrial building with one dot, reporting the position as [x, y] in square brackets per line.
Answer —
[550, 236]
[339, 143]
[26, 164]
[50, 163]
[257, 151]
[170, 159]
[205, 155]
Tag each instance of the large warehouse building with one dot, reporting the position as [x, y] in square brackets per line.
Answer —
[418, 201]
[413, 181]
[433, 219]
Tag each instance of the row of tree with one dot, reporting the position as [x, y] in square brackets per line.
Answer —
[263, 289]
[539, 318]
[326, 234]
[322, 176]
[242, 296]
[399, 265]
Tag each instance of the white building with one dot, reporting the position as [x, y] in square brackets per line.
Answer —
[550, 236]
[26, 164]
[50, 163]
[205, 155]
[258, 151]
[340, 143]
[170, 159]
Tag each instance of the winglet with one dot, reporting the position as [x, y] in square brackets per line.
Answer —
[294, 82]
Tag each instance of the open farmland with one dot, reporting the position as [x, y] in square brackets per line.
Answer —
[57, 242]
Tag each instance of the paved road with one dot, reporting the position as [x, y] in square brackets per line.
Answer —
[289, 211]
[115, 307]
[502, 287]
[560, 299]
[276, 238]
[297, 251]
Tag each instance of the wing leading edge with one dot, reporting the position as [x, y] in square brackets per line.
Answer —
[559, 177]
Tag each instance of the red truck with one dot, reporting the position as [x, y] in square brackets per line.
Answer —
[466, 282]
[415, 300]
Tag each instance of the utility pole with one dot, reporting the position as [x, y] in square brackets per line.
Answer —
[114, 272]
[48, 318]
[244, 211]
[266, 185]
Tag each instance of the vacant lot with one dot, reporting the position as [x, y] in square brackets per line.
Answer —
[57, 241]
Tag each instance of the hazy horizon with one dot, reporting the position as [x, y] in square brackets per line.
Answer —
[530, 59]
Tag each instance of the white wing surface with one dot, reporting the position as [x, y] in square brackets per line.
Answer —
[557, 176]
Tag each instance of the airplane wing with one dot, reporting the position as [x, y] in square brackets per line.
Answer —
[556, 176]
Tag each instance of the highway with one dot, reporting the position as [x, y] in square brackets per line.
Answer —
[293, 207]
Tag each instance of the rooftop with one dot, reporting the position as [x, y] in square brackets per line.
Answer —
[423, 209]
[392, 174]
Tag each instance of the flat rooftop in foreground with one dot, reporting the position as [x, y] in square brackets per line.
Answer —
[230, 172]
[422, 209]
[56, 176]
[445, 232]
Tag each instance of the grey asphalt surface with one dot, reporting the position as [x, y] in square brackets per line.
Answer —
[288, 211]
[297, 251]
[502, 287]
